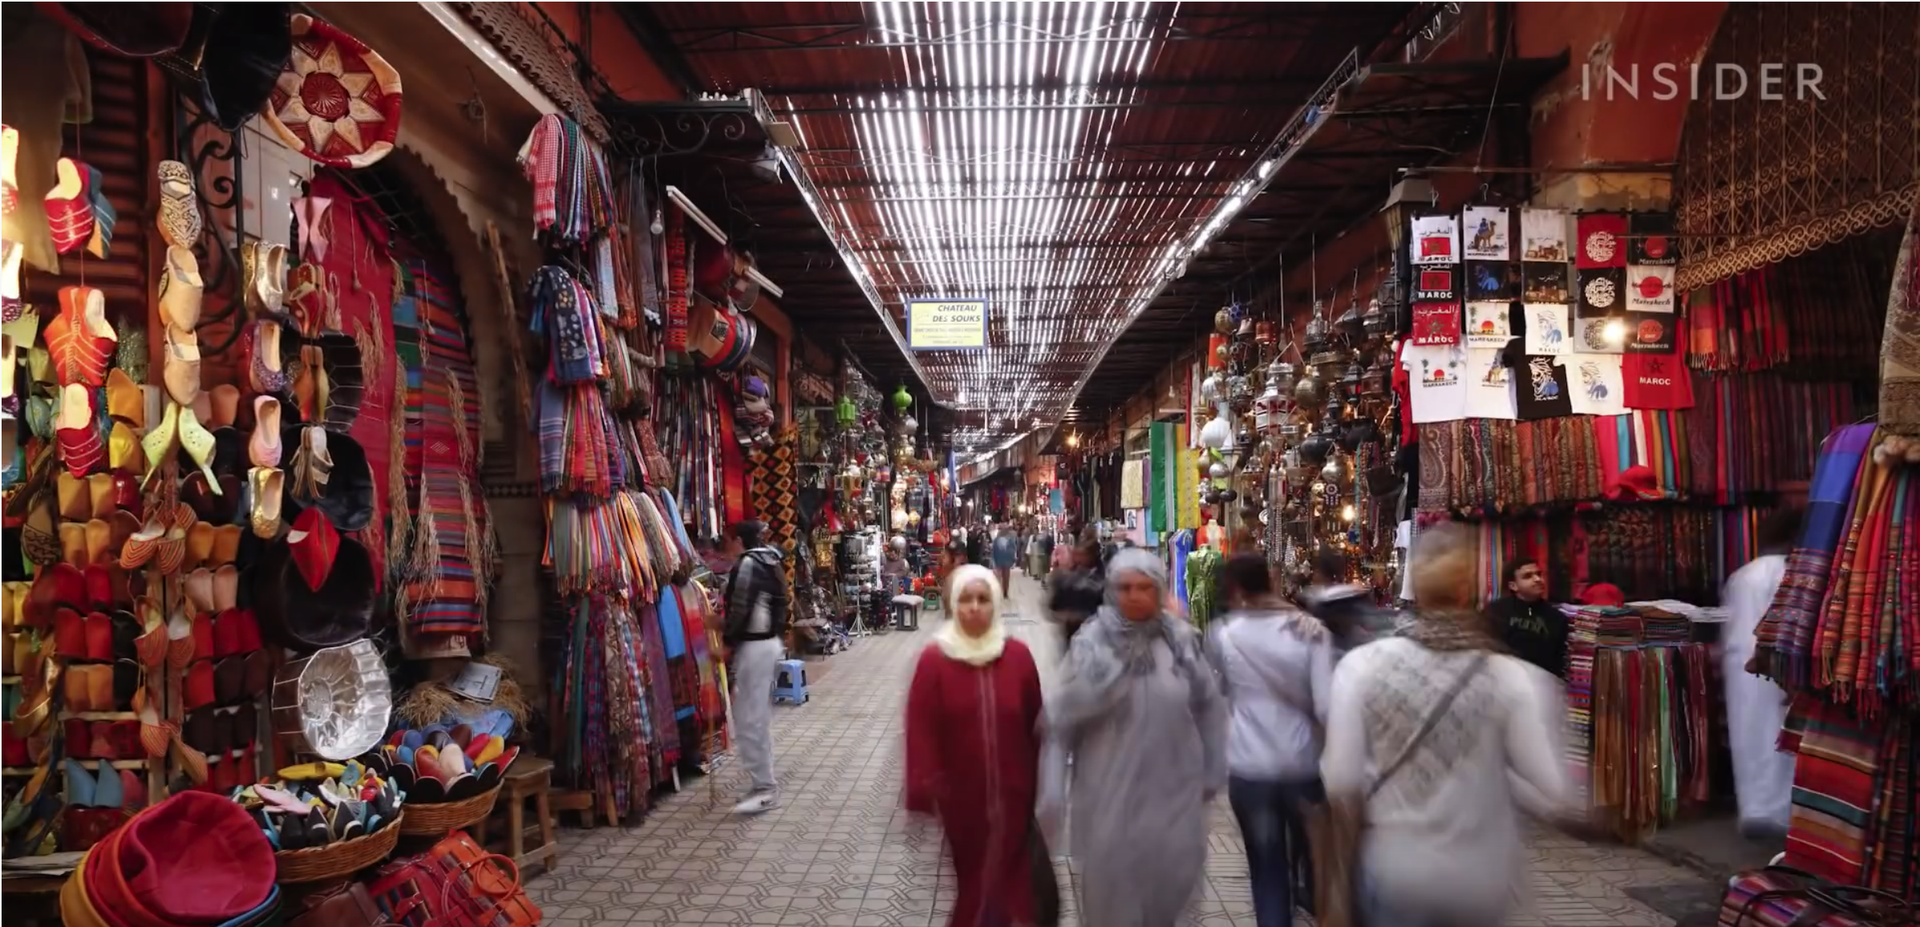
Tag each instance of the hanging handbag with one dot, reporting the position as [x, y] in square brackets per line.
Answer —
[1781, 896]
[455, 884]
[1336, 905]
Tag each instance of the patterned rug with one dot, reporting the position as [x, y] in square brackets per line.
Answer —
[451, 554]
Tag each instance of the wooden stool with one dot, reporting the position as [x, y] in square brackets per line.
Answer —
[531, 777]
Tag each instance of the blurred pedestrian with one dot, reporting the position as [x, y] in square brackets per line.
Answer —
[1078, 591]
[1346, 608]
[1276, 663]
[1756, 706]
[973, 751]
[1139, 709]
[755, 624]
[1434, 740]
[1006, 550]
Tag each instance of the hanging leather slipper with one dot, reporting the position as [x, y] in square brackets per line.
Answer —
[69, 212]
[265, 366]
[182, 370]
[313, 545]
[181, 289]
[159, 443]
[180, 222]
[125, 401]
[81, 447]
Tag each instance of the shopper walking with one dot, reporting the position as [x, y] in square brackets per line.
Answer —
[1433, 738]
[973, 752]
[1139, 709]
[1347, 609]
[1006, 549]
[1756, 706]
[756, 623]
[1276, 663]
[1078, 591]
[1533, 629]
[977, 544]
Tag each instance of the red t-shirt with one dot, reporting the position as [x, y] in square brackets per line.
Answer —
[1657, 381]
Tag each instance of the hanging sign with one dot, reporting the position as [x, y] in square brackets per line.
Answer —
[947, 324]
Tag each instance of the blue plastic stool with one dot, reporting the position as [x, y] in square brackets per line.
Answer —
[790, 682]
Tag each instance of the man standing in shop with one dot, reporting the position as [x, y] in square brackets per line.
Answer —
[1534, 630]
[756, 623]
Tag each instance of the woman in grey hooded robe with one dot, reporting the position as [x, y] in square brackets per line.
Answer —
[1141, 713]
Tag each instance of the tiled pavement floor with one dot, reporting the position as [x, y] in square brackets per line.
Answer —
[840, 851]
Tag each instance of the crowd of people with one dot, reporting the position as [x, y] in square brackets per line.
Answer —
[1379, 761]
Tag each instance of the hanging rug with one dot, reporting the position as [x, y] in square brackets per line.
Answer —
[337, 101]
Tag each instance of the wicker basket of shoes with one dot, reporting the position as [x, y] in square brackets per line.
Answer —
[436, 819]
[340, 859]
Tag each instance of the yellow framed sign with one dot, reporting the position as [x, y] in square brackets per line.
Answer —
[947, 324]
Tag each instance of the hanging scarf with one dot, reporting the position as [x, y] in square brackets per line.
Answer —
[952, 639]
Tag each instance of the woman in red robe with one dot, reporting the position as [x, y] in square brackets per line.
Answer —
[973, 753]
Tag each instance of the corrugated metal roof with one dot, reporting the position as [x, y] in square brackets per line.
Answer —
[1054, 159]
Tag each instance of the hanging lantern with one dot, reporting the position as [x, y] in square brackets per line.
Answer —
[1373, 383]
[1263, 332]
[910, 424]
[1337, 473]
[1223, 322]
[1270, 410]
[1314, 450]
[1210, 389]
[844, 411]
[1309, 391]
[1318, 333]
[902, 400]
[1377, 322]
[1217, 434]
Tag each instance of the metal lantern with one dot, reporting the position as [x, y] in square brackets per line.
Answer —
[844, 411]
[1263, 331]
[1349, 323]
[902, 400]
[1377, 322]
[1309, 391]
[1239, 391]
[1373, 383]
[1270, 409]
[1217, 434]
[1281, 375]
[1219, 470]
[1337, 472]
[1223, 321]
[1314, 450]
[1318, 333]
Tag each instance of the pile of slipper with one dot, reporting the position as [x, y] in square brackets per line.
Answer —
[439, 764]
[316, 804]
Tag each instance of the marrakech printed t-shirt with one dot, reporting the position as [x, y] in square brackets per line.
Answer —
[1436, 382]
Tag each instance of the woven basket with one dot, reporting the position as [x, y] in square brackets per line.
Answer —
[435, 820]
[338, 860]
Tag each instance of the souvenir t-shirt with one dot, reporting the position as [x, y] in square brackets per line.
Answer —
[1489, 385]
[1597, 389]
[1656, 381]
[1436, 382]
[1540, 388]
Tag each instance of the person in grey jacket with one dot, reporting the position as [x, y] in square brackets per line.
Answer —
[754, 633]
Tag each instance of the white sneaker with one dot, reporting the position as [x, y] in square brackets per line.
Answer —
[757, 803]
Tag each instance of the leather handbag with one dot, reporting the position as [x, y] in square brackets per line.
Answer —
[346, 906]
[455, 884]
[1781, 896]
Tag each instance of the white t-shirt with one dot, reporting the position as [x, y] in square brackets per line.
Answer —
[1444, 833]
[1595, 384]
[1489, 385]
[1436, 382]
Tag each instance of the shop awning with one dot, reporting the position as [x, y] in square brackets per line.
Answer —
[1332, 174]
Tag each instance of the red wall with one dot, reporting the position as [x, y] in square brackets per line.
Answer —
[615, 53]
[1569, 131]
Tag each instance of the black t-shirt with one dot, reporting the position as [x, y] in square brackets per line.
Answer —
[1535, 631]
[1540, 388]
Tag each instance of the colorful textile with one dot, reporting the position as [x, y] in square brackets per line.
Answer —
[572, 193]
[566, 314]
[1785, 636]
[445, 581]
[1900, 340]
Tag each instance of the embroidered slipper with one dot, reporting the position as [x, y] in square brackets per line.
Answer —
[249, 274]
[226, 549]
[132, 356]
[180, 222]
[79, 342]
[313, 544]
[264, 448]
[159, 443]
[181, 289]
[104, 215]
[125, 401]
[264, 366]
[81, 449]
[142, 544]
[171, 554]
[69, 212]
[268, 486]
[199, 444]
[182, 370]
[271, 285]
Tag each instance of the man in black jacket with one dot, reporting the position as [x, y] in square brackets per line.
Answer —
[1534, 630]
[754, 632]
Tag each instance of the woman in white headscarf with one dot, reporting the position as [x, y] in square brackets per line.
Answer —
[973, 751]
[1141, 712]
